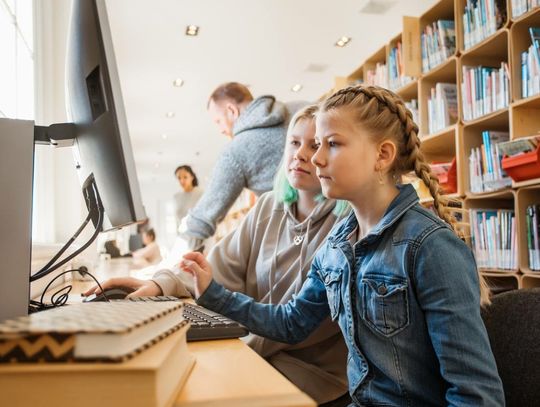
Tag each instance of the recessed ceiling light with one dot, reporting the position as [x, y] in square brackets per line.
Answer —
[178, 82]
[156, 165]
[342, 41]
[164, 136]
[170, 115]
[296, 88]
[192, 30]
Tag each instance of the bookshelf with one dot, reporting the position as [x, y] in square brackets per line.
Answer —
[520, 118]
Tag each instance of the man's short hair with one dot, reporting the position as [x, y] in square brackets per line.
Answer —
[232, 91]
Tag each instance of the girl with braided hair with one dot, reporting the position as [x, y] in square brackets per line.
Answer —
[402, 285]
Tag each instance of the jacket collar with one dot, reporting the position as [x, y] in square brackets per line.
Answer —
[406, 199]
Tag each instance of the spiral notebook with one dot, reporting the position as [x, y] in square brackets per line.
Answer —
[103, 331]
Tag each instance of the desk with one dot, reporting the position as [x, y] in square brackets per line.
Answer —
[226, 372]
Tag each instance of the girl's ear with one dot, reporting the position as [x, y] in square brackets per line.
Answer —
[387, 152]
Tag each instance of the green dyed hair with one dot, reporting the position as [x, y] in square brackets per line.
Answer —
[283, 190]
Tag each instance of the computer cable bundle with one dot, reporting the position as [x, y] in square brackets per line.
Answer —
[95, 207]
[61, 296]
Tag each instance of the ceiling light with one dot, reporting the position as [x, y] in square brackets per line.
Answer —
[342, 41]
[156, 165]
[169, 115]
[192, 30]
[164, 136]
[296, 88]
[178, 82]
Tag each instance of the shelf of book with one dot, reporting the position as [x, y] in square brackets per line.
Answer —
[523, 16]
[496, 118]
[427, 85]
[478, 25]
[494, 46]
[520, 39]
[471, 143]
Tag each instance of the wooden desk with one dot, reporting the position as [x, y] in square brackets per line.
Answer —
[226, 372]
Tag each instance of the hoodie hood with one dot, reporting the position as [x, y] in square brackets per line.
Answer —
[265, 111]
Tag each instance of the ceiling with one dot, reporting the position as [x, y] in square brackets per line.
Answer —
[267, 44]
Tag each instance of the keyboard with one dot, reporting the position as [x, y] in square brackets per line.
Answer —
[205, 324]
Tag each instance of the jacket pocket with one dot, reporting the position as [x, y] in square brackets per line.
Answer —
[332, 281]
[385, 304]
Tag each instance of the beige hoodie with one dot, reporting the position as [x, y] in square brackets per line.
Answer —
[261, 254]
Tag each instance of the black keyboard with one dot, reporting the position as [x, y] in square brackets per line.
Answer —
[205, 324]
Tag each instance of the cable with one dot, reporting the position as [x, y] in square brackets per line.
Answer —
[43, 273]
[61, 296]
[66, 246]
[94, 204]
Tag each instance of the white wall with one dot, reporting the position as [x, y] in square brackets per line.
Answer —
[62, 207]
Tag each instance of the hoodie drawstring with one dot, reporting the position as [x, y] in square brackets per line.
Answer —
[273, 266]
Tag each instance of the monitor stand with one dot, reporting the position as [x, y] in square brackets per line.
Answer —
[16, 176]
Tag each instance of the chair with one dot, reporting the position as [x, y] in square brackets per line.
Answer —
[513, 326]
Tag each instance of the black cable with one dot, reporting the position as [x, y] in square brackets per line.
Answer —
[94, 204]
[63, 292]
[66, 246]
[43, 273]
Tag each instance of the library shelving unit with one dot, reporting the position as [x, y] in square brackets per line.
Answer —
[520, 119]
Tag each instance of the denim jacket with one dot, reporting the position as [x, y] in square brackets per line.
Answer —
[406, 297]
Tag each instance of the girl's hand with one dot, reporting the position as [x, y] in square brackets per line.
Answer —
[195, 264]
[139, 288]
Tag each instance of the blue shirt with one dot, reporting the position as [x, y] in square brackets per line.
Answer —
[407, 300]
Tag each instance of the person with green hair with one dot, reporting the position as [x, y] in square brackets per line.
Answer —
[268, 257]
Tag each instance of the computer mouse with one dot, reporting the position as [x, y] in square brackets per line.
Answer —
[110, 293]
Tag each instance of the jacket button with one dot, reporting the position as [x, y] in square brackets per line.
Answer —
[382, 289]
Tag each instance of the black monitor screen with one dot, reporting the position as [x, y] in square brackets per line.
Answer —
[103, 146]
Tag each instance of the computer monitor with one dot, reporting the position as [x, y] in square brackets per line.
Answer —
[95, 106]
[102, 149]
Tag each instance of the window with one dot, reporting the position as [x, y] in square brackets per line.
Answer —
[17, 67]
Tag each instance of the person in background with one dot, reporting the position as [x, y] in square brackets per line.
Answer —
[150, 252]
[187, 198]
[403, 286]
[268, 257]
[257, 130]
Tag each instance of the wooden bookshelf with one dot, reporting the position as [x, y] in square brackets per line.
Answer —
[520, 119]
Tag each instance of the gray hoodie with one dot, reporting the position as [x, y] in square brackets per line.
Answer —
[262, 260]
[250, 161]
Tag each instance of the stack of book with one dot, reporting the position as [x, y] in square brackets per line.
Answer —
[117, 351]
[442, 107]
[494, 241]
[484, 90]
[377, 76]
[533, 236]
[530, 66]
[520, 7]
[481, 19]
[412, 105]
[396, 74]
[438, 42]
[485, 170]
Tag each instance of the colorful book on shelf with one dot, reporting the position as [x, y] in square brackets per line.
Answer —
[101, 331]
[535, 41]
[493, 235]
[485, 168]
[438, 43]
[520, 7]
[482, 18]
